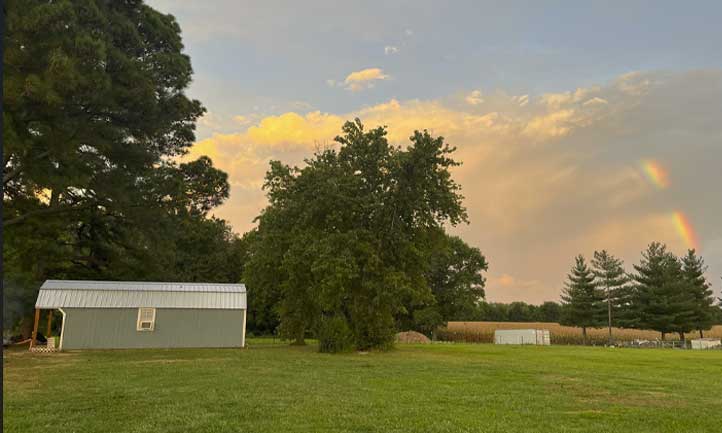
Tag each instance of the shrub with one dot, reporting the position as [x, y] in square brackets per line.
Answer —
[334, 335]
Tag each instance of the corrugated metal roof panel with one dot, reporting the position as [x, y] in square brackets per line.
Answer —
[120, 294]
[143, 286]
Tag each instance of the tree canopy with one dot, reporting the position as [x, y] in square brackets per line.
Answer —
[351, 235]
[612, 279]
[582, 301]
[94, 102]
[661, 299]
[693, 269]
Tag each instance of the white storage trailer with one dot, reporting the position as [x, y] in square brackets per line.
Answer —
[522, 336]
[706, 343]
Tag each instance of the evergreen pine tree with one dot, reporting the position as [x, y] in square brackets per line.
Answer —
[612, 279]
[583, 303]
[661, 300]
[693, 269]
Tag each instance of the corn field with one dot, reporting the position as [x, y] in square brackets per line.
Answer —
[483, 332]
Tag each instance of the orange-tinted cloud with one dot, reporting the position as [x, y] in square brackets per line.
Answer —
[545, 177]
[364, 78]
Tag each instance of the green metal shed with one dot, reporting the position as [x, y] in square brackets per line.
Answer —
[125, 314]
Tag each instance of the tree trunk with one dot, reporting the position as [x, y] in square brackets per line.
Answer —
[681, 337]
[26, 327]
[584, 334]
[609, 315]
[663, 335]
[298, 339]
[701, 335]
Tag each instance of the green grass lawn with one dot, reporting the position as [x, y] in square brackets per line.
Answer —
[433, 388]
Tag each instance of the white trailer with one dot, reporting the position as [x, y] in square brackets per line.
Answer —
[522, 336]
[706, 343]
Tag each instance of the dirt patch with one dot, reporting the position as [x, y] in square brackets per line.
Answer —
[412, 337]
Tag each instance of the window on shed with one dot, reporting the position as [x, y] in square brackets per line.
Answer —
[146, 319]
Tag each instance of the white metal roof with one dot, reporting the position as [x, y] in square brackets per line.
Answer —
[134, 294]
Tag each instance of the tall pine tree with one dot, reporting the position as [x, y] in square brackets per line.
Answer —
[583, 303]
[693, 269]
[661, 299]
[612, 279]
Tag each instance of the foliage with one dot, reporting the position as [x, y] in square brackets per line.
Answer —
[455, 278]
[666, 294]
[612, 279]
[582, 302]
[549, 312]
[265, 251]
[334, 335]
[693, 269]
[516, 311]
[350, 234]
[457, 285]
[94, 101]
[661, 297]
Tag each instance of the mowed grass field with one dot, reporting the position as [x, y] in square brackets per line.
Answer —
[483, 332]
[414, 388]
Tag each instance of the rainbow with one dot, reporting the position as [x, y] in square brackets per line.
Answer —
[655, 173]
[685, 230]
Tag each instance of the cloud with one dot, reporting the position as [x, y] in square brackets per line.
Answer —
[595, 101]
[292, 130]
[474, 98]
[545, 177]
[390, 49]
[209, 120]
[507, 288]
[522, 100]
[364, 79]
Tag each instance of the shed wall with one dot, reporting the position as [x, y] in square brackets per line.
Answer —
[115, 328]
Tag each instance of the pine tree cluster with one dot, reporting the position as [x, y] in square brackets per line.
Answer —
[665, 293]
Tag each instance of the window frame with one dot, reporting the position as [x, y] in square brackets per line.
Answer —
[139, 322]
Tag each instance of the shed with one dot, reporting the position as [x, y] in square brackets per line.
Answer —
[128, 314]
[522, 336]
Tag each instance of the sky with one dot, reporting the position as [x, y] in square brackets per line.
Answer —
[580, 126]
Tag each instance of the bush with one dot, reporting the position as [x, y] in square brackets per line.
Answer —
[427, 320]
[334, 335]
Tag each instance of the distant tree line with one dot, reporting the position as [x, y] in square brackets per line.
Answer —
[518, 312]
[664, 293]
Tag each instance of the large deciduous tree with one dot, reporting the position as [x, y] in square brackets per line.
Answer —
[456, 281]
[582, 301]
[347, 235]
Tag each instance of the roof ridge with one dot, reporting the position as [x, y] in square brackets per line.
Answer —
[144, 282]
[145, 286]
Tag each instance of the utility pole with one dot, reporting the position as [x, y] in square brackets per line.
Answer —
[609, 313]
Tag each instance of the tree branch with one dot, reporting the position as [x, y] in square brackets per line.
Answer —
[45, 211]
[7, 177]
